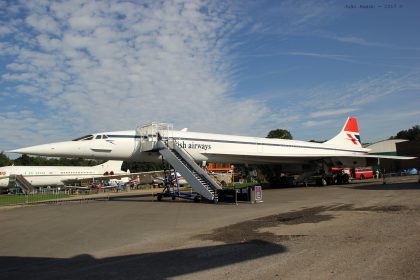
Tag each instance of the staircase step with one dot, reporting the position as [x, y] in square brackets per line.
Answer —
[203, 185]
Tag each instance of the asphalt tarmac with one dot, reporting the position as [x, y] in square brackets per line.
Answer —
[367, 231]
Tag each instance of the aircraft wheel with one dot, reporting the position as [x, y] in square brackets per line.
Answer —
[173, 197]
[324, 182]
[159, 197]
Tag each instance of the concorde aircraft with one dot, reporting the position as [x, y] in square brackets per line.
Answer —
[144, 144]
[62, 175]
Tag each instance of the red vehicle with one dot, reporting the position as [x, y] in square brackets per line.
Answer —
[358, 173]
[361, 173]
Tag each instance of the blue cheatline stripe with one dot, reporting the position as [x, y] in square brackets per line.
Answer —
[267, 144]
[241, 142]
[128, 136]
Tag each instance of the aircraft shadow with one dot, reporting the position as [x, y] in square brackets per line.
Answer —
[127, 197]
[158, 265]
[148, 198]
[384, 187]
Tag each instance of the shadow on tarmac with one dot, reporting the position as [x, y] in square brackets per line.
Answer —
[385, 187]
[147, 198]
[159, 265]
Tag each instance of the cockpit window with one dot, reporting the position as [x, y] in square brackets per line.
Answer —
[104, 137]
[98, 137]
[83, 138]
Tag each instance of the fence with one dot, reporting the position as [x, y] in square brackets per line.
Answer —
[69, 194]
[51, 196]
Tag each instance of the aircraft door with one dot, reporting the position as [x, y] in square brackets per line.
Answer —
[148, 135]
[260, 146]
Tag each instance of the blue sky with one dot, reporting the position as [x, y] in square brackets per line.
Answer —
[238, 67]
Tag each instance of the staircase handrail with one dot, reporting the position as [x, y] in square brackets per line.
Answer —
[188, 172]
[189, 159]
[23, 183]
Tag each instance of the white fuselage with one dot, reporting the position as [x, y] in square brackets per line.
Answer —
[130, 146]
[52, 175]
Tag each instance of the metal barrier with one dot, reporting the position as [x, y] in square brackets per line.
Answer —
[68, 194]
[32, 198]
[52, 197]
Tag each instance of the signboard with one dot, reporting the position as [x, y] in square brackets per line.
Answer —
[258, 193]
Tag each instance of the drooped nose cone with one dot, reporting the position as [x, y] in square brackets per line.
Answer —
[34, 150]
[68, 148]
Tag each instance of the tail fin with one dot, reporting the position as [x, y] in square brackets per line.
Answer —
[111, 165]
[349, 136]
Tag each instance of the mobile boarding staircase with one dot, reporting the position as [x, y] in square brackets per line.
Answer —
[22, 183]
[159, 136]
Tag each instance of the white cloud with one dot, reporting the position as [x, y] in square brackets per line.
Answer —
[291, 16]
[19, 67]
[362, 92]
[26, 89]
[334, 112]
[364, 42]
[320, 55]
[327, 105]
[104, 65]
[302, 12]
[110, 65]
[23, 127]
[19, 77]
[316, 123]
[42, 23]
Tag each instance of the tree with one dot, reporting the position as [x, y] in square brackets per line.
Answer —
[272, 173]
[26, 160]
[141, 166]
[280, 133]
[23, 160]
[410, 134]
[4, 160]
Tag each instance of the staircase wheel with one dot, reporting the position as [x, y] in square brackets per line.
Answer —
[159, 197]
[173, 197]
[197, 198]
[346, 179]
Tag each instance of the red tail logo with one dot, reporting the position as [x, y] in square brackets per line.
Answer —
[352, 139]
[351, 125]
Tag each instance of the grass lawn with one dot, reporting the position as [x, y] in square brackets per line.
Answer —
[7, 199]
